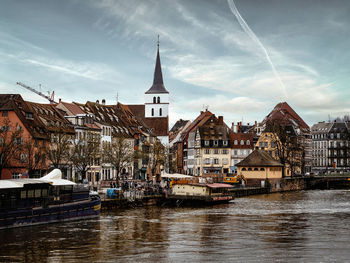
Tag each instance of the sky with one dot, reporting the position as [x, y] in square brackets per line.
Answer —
[87, 50]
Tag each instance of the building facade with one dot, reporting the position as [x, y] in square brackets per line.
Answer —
[330, 147]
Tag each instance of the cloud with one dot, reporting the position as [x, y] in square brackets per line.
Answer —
[84, 69]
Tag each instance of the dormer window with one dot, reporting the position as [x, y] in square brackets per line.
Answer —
[153, 111]
[154, 100]
[225, 143]
[216, 142]
[206, 143]
[29, 115]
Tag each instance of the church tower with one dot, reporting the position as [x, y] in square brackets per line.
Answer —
[157, 97]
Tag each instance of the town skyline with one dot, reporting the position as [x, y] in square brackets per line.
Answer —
[78, 48]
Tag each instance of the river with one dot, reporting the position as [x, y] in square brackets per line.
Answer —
[305, 226]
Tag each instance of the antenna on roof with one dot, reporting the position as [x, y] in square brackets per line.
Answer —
[158, 42]
[117, 97]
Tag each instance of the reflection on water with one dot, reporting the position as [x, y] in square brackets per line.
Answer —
[299, 226]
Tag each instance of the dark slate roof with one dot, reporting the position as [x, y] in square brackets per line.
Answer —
[259, 158]
[179, 125]
[158, 85]
[212, 129]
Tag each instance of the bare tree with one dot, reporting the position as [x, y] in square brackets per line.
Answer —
[84, 152]
[10, 143]
[35, 155]
[58, 152]
[157, 158]
[120, 153]
[288, 146]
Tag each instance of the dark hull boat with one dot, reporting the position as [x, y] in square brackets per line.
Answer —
[50, 199]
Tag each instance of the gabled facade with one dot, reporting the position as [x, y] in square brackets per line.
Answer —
[38, 124]
[293, 124]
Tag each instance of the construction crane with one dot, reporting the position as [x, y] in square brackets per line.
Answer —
[50, 98]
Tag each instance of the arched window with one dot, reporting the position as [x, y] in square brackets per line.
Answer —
[244, 169]
[152, 112]
[249, 169]
[160, 111]
[236, 142]
[158, 100]
[242, 142]
[262, 169]
[154, 100]
[248, 142]
[256, 169]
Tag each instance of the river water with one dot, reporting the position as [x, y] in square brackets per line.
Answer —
[305, 226]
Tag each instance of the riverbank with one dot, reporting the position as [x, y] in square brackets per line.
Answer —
[272, 186]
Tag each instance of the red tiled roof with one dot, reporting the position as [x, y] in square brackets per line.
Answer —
[285, 115]
[72, 108]
[241, 136]
[158, 125]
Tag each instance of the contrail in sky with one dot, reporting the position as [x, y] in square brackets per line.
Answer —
[252, 35]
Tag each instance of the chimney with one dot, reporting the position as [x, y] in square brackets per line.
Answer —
[201, 112]
[59, 100]
[233, 126]
[256, 123]
[103, 102]
[97, 102]
[221, 120]
[239, 126]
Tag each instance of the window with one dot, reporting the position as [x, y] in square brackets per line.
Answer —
[249, 169]
[154, 100]
[235, 152]
[216, 161]
[5, 113]
[256, 169]
[153, 111]
[158, 100]
[207, 151]
[29, 115]
[16, 176]
[224, 151]
[224, 161]
[244, 169]
[261, 144]
[216, 151]
[236, 142]
[225, 143]
[248, 142]
[273, 144]
[242, 142]
[216, 142]
[207, 161]
[262, 169]
[206, 143]
[265, 144]
[23, 158]
[160, 111]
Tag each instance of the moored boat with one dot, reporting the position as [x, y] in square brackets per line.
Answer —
[200, 194]
[48, 199]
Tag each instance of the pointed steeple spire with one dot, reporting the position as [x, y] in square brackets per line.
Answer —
[158, 85]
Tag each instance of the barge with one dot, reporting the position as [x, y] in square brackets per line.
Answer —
[49, 199]
[200, 194]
